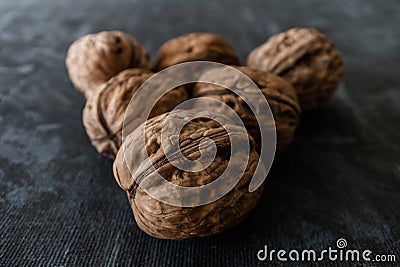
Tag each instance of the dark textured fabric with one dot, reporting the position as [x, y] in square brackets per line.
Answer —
[60, 205]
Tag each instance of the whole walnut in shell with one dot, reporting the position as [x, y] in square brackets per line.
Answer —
[305, 58]
[279, 94]
[95, 58]
[196, 47]
[162, 220]
[105, 109]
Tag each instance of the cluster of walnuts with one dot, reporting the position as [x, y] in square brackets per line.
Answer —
[297, 70]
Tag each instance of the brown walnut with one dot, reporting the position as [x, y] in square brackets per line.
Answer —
[304, 57]
[162, 220]
[104, 111]
[95, 58]
[281, 97]
[196, 47]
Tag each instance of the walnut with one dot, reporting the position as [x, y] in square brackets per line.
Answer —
[162, 220]
[104, 111]
[194, 47]
[305, 58]
[281, 97]
[95, 58]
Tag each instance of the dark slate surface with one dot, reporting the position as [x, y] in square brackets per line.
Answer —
[60, 205]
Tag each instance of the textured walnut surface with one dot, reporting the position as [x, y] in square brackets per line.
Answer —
[305, 58]
[172, 222]
[196, 46]
[104, 111]
[95, 58]
[281, 97]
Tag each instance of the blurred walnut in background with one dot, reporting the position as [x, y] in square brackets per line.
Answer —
[305, 58]
[196, 47]
[95, 58]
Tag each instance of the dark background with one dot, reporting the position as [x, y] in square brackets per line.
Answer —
[60, 205]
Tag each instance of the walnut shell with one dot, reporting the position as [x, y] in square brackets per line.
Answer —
[95, 58]
[304, 57]
[162, 220]
[194, 47]
[281, 97]
[104, 111]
